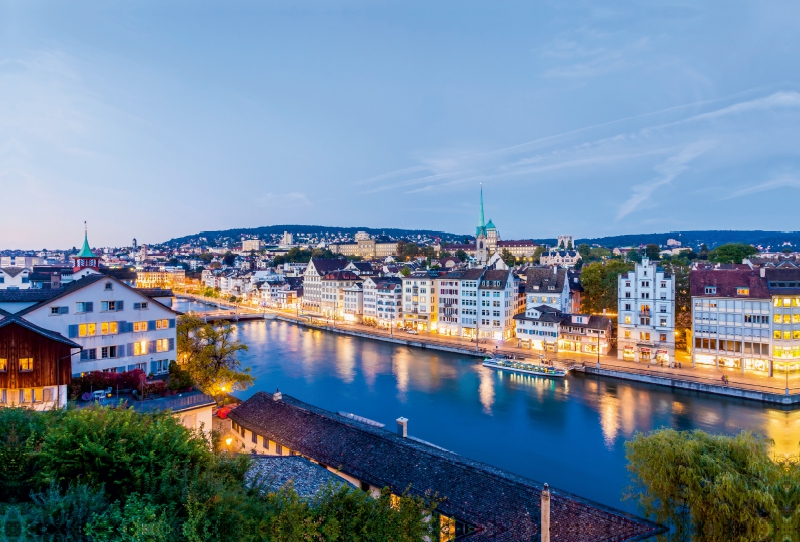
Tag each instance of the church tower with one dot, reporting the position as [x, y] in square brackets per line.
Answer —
[481, 238]
[85, 258]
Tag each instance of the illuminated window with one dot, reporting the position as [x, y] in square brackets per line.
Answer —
[108, 328]
[162, 345]
[3, 364]
[742, 291]
[787, 318]
[776, 302]
[776, 334]
[787, 335]
[796, 334]
[627, 334]
[87, 330]
[26, 364]
[140, 348]
[777, 318]
[140, 326]
[627, 319]
[162, 324]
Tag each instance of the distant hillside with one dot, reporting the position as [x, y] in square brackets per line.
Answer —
[693, 238]
[267, 232]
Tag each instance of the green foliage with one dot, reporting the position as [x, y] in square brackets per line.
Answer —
[508, 258]
[584, 250]
[600, 284]
[405, 271]
[652, 251]
[108, 474]
[537, 254]
[711, 488]
[229, 258]
[461, 255]
[731, 253]
[209, 352]
[634, 256]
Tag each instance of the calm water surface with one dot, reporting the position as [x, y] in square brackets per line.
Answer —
[567, 432]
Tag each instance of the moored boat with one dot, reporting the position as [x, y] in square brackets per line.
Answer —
[501, 362]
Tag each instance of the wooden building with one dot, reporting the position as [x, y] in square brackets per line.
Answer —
[35, 364]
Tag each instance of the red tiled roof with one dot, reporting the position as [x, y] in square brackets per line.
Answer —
[727, 282]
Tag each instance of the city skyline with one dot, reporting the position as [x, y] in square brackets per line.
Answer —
[154, 122]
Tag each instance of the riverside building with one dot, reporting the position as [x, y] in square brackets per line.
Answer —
[646, 308]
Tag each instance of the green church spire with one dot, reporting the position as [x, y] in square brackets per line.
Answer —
[86, 251]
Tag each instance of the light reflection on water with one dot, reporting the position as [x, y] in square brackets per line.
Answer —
[568, 432]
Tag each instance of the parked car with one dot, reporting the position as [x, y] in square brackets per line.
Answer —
[412, 331]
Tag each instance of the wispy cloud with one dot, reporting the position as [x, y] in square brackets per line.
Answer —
[289, 199]
[668, 170]
[784, 180]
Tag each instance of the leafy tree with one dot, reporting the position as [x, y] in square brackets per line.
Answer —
[206, 257]
[584, 250]
[461, 255]
[703, 254]
[679, 269]
[208, 352]
[410, 250]
[711, 488]
[445, 254]
[600, 285]
[598, 254]
[322, 253]
[652, 251]
[537, 254]
[229, 258]
[787, 250]
[634, 256]
[405, 271]
[731, 253]
[508, 258]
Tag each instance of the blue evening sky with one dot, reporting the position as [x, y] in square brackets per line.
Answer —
[154, 119]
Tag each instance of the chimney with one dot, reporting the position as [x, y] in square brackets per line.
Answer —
[402, 427]
[545, 507]
[763, 271]
[555, 270]
[277, 396]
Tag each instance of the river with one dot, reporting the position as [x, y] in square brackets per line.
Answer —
[567, 432]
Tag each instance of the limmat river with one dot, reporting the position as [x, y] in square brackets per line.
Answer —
[567, 432]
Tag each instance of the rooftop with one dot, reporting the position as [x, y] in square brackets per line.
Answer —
[501, 506]
[305, 477]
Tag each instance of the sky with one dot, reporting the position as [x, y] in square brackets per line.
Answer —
[156, 119]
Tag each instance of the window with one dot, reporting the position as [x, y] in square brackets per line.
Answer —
[59, 310]
[627, 294]
[139, 326]
[87, 330]
[663, 322]
[627, 319]
[26, 364]
[279, 449]
[88, 354]
[627, 333]
[108, 328]
[662, 337]
[108, 352]
[644, 321]
[644, 335]
[162, 345]
[109, 286]
[162, 324]
[108, 306]
[742, 291]
[142, 305]
[663, 284]
[627, 306]
[140, 348]
[265, 443]
[711, 290]
[254, 438]
[84, 306]
[3, 365]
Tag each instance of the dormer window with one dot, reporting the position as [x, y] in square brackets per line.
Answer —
[710, 290]
[109, 286]
[742, 291]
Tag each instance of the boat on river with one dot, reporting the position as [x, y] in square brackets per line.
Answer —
[502, 362]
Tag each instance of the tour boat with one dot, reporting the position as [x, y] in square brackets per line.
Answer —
[502, 362]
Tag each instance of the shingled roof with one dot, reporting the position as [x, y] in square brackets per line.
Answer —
[540, 279]
[728, 283]
[501, 506]
[6, 318]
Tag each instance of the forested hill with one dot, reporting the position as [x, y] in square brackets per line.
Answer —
[693, 238]
[266, 232]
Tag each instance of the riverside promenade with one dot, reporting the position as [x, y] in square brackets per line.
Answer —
[777, 390]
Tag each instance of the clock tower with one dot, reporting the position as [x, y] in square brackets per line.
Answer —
[85, 258]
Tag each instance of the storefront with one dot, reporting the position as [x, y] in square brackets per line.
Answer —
[758, 365]
[629, 353]
[662, 356]
[645, 354]
[730, 363]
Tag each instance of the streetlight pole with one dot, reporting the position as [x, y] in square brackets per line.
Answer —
[786, 367]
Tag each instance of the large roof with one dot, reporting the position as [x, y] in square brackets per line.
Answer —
[545, 279]
[501, 506]
[7, 318]
[326, 266]
[728, 283]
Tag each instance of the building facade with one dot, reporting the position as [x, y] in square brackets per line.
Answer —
[333, 286]
[15, 278]
[383, 300]
[366, 247]
[646, 309]
[419, 301]
[312, 280]
[353, 310]
[547, 329]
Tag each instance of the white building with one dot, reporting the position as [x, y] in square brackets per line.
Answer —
[646, 308]
[383, 300]
[419, 301]
[458, 302]
[333, 286]
[14, 278]
[353, 303]
[252, 245]
[287, 240]
[312, 280]
[548, 286]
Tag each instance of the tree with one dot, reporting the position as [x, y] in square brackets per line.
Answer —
[209, 353]
[731, 253]
[600, 285]
[410, 250]
[584, 250]
[598, 254]
[652, 251]
[634, 256]
[461, 255]
[703, 254]
[508, 258]
[229, 258]
[405, 271]
[537, 254]
[711, 488]
[679, 269]
[787, 250]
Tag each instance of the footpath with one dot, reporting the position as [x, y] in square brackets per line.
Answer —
[778, 390]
